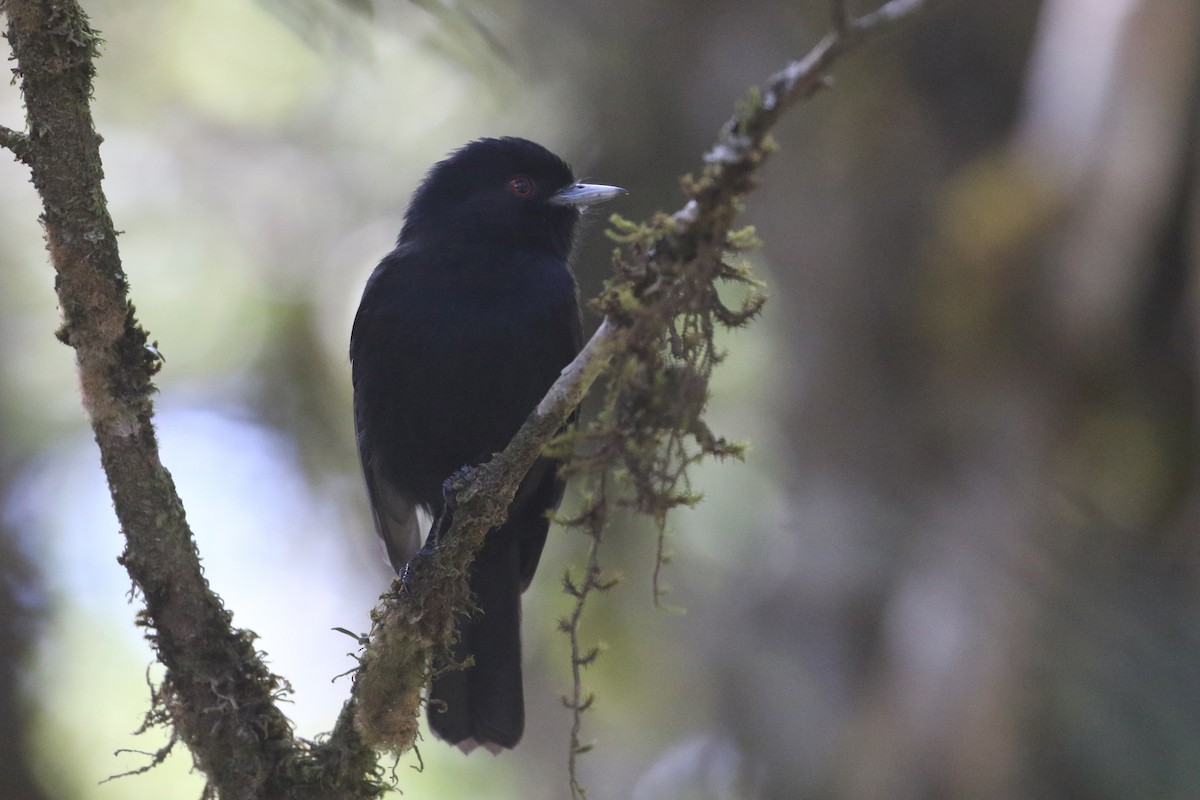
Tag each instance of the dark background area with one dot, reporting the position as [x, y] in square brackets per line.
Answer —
[961, 559]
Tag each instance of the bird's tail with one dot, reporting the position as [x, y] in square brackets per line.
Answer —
[484, 703]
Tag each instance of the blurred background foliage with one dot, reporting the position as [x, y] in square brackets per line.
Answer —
[961, 560]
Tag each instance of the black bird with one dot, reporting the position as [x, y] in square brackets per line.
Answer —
[461, 330]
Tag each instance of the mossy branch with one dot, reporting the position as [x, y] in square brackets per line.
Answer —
[217, 694]
[655, 348]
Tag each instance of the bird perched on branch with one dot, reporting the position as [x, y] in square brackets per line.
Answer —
[461, 330]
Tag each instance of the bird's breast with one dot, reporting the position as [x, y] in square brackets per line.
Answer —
[459, 362]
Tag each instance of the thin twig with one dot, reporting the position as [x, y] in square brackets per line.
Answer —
[16, 142]
[596, 517]
[886, 14]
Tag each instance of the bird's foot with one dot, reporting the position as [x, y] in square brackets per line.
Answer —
[450, 489]
[452, 485]
[408, 575]
[442, 524]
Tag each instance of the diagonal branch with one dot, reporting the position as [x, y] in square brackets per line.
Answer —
[408, 627]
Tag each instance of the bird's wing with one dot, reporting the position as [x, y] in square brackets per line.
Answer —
[395, 517]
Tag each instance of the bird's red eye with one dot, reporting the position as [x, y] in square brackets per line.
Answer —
[521, 186]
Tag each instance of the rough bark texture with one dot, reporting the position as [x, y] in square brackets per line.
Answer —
[218, 694]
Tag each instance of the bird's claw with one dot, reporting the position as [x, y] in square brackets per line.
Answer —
[449, 488]
[408, 574]
[440, 526]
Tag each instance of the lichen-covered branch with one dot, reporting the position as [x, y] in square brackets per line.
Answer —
[217, 694]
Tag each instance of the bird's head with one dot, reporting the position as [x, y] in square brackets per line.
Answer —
[505, 191]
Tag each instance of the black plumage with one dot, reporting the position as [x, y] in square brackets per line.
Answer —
[461, 330]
